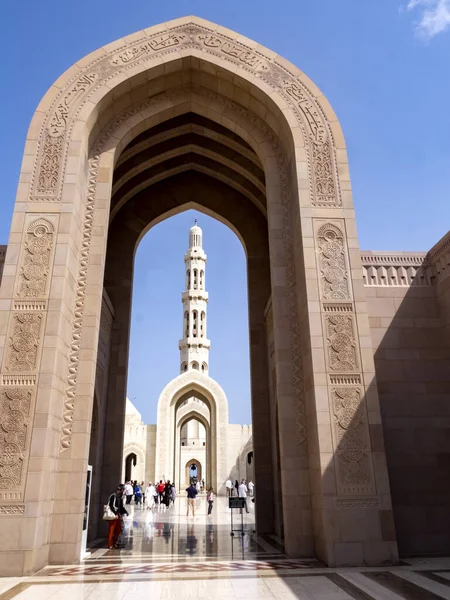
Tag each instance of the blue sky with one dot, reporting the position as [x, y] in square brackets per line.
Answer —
[383, 65]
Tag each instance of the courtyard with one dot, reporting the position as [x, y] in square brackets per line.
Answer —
[168, 555]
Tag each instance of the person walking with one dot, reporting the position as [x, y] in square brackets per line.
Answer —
[143, 493]
[210, 500]
[229, 487]
[242, 493]
[191, 495]
[167, 497]
[250, 486]
[128, 491]
[137, 494]
[198, 487]
[236, 485]
[115, 502]
[174, 493]
[150, 496]
[161, 487]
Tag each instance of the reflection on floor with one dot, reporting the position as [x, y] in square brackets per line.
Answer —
[168, 555]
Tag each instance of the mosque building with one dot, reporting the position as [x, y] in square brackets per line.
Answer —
[192, 439]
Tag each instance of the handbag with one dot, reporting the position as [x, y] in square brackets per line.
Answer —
[108, 514]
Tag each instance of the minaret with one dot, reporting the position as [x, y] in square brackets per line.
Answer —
[194, 345]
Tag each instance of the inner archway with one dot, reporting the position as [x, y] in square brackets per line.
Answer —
[130, 462]
[193, 472]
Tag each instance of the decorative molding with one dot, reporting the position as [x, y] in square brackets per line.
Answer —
[400, 259]
[36, 259]
[352, 449]
[24, 341]
[395, 275]
[321, 154]
[74, 352]
[12, 509]
[345, 379]
[338, 307]
[27, 305]
[357, 502]
[332, 263]
[341, 343]
[15, 425]
[17, 379]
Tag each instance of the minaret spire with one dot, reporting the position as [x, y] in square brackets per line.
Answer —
[194, 345]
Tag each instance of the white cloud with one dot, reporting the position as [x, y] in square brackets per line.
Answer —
[434, 17]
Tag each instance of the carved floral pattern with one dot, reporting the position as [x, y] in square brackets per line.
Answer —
[341, 343]
[15, 405]
[24, 342]
[352, 439]
[49, 168]
[36, 261]
[334, 276]
[322, 163]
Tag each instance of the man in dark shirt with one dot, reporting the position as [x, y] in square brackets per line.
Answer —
[191, 495]
[115, 527]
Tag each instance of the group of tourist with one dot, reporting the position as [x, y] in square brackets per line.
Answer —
[160, 494]
[233, 490]
[241, 490]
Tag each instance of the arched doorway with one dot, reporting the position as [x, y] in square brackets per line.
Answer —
[130, 462]
[193, 472]
[243, 136]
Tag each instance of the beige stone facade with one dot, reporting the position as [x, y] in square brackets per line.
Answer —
[204, 117]
[192, 443]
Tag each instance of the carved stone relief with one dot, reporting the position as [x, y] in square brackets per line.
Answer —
[333, 270]
[354, 472]
[15, 411]
[341, 343]
[322, 161]
[23, 342]
[36, 259]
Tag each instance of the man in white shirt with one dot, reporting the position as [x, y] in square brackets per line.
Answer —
[251, 485]
[242, 492]
[129, 492]
[229, 486]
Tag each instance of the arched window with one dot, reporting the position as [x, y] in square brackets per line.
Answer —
[204, 367]
[188, 279]
[184, 367]
[195, 278]
[194, 323]
[202, 324]
[194, 365]
[186, 324]
[202, 273]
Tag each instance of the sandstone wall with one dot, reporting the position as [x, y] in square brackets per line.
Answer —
[407, 317]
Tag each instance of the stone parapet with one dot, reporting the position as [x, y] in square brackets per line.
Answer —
[407, 269]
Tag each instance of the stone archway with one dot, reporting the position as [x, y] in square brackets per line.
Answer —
[187, 470]
[137, 467]
[66, 212]
[183, 415]
[130, 461]
[171, 417]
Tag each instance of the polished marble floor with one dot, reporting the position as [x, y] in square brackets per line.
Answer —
[167, 555]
